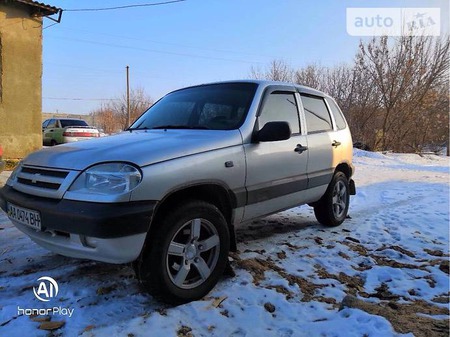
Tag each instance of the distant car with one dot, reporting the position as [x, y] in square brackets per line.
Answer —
[66, 130]
[2, 163]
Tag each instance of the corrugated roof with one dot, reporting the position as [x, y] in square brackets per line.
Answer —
[39, 7]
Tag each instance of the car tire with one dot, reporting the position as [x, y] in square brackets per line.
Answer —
[331, 210]
[53, 142]
[186, 254]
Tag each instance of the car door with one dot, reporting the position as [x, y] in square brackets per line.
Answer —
[276, 171]
[44, 126]
[322, 144]
[48, 131]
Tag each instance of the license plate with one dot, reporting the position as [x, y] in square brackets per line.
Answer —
[25, 216]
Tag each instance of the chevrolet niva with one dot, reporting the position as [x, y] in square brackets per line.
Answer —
[168, 193]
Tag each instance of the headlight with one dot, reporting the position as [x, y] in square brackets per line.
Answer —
[13, 177]
[110, 178]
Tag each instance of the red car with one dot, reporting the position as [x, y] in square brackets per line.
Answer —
[2, 163]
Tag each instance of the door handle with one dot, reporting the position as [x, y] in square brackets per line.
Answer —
[335, 143]
[300, 149]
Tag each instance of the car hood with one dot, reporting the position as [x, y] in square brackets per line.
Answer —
[139, 147]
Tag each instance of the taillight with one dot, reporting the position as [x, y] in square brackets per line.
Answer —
[1, 151]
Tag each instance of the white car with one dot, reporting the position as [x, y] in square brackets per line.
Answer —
[66, 130]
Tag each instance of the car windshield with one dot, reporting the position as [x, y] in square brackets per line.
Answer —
[72, 122]
[221, 106]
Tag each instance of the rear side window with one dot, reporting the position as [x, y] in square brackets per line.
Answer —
[280, 107]
[340, 121]
[317, 116]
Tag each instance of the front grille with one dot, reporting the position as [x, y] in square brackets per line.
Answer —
[41, 184]
[45, 172]
[38, 180]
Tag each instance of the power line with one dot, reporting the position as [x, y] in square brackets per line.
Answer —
[80, 99]
[91, 99]
[164, 42]
[112, 71]
[50, 25]
[154, 50]
[121, 7]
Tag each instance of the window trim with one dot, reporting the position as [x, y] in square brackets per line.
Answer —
[279, 89]
[328, 110]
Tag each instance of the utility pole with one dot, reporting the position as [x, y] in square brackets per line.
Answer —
[128, 97]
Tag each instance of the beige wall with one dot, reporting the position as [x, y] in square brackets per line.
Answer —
[21, 82]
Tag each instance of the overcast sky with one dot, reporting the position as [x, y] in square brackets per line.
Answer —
[190, 42]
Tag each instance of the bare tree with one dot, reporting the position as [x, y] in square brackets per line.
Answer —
[278, 70]
[403, 76]
[105, 119]
[113, 115]
[312, 76]
[394, 96]
[139, 102]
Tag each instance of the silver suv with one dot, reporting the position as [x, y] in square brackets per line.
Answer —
[168, 193]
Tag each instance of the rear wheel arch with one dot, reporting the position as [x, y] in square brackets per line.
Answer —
[344, 168]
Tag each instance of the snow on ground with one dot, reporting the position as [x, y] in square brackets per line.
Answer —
[292, 275]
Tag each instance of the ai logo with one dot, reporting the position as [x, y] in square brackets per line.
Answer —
[47, 289]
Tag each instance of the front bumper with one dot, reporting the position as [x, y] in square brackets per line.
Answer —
[109, 232]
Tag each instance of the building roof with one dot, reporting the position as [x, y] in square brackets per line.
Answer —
[37, 8]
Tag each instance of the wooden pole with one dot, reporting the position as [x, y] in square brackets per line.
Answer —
[128, 97]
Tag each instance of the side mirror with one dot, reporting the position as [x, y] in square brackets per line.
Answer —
[273, 131]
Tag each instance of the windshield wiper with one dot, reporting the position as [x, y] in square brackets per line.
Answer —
[138, 128]
[203, 127]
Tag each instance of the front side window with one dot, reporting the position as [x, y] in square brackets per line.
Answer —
[280, 107]
[317, 116]
[221, 106]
